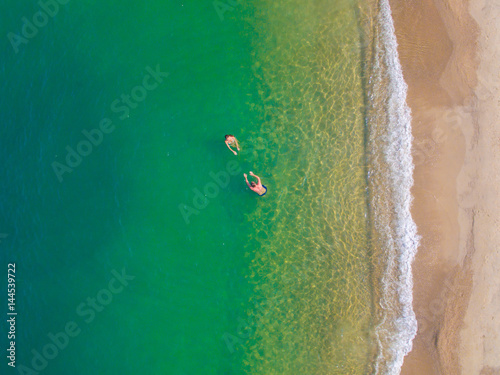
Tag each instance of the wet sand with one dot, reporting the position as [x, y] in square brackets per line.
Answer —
[449, 53]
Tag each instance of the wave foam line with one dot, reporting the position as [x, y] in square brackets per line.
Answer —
[398, 326]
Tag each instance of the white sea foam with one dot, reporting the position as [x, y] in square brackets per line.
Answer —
[391, 179]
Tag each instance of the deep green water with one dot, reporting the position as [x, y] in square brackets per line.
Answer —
[246, 285]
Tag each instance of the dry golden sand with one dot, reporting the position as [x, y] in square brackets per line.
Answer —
[479, 194]
[450, 60]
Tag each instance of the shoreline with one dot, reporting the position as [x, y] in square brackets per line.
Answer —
[448, 58]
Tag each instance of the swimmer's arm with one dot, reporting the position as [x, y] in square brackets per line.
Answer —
[246, 180]
[237, 144]
[257, 177]
[229, 147]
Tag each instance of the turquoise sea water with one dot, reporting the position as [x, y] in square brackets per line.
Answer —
[148, 247]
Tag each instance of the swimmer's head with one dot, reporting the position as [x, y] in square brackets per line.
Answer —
[253, 184]
[229, 136]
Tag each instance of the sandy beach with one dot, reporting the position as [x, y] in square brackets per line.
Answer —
[449, 51]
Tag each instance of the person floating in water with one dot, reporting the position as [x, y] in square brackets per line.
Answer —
[232, 141]
[257, 187]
